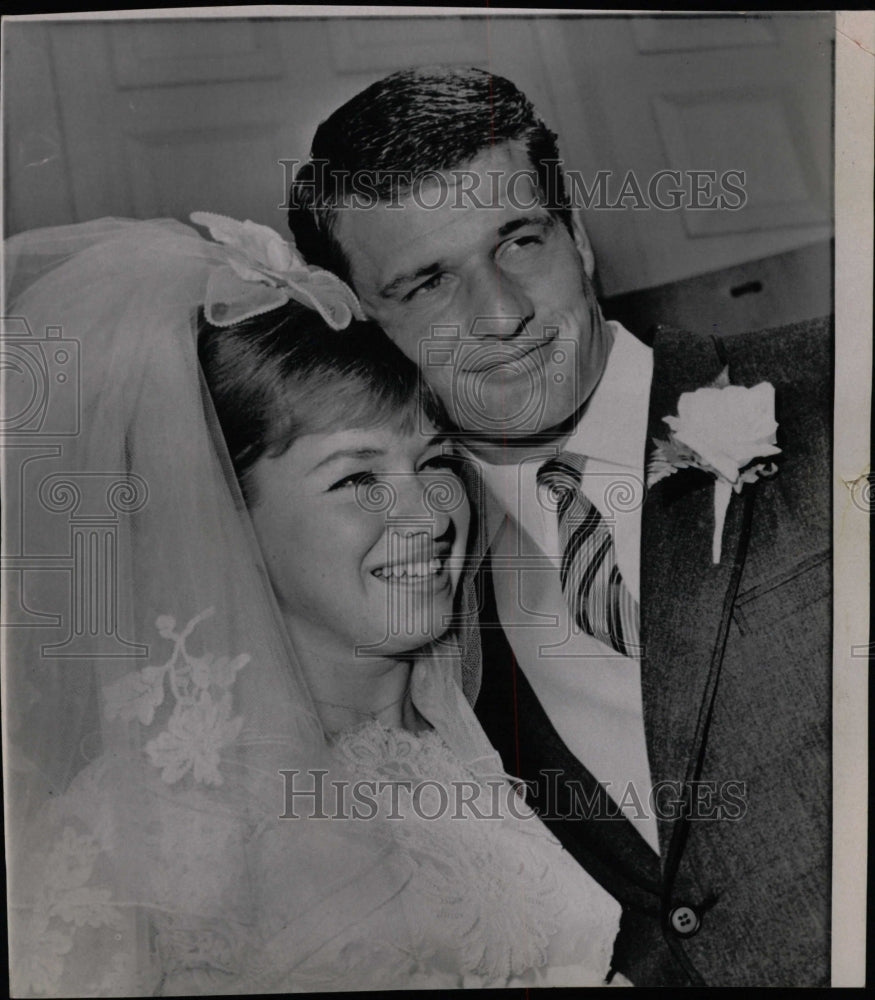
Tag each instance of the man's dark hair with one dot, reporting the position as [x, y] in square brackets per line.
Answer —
[412, 123]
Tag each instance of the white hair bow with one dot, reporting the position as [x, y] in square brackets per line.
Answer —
[263, 272]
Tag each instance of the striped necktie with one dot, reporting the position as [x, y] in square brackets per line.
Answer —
[597, 597]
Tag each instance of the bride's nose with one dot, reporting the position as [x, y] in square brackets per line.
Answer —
[424, 504]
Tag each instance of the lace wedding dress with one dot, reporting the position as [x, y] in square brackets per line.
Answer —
[188, 890]
[492, 899]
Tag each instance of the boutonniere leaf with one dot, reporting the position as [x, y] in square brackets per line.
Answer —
[722, 429]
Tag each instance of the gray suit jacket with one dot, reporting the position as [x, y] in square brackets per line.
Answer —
[736, 682]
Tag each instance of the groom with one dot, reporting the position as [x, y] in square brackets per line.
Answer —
[660, 680]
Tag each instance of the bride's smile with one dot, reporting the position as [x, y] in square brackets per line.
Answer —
[417, 568]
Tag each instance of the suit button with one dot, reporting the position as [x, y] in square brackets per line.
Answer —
[684, 921]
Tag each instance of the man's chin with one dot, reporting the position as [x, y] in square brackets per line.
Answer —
[510, 428]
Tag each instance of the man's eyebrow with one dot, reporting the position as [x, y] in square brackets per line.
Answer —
[543, 221]
[357, 453]
[388, 291]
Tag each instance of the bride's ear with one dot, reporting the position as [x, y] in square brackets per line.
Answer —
[581, 241]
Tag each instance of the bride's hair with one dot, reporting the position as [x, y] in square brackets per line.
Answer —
[286, 373]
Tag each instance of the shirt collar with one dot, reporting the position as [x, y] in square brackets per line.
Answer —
[614, 425]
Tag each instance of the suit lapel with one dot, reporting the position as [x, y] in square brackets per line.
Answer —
[683, 594]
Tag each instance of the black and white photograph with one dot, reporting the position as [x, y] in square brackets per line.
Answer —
[436, 493]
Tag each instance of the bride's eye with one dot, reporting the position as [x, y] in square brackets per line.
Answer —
[362, 478]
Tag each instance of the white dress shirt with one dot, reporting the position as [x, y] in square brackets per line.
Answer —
[591, 694]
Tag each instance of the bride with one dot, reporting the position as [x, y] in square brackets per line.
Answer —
[248, 767]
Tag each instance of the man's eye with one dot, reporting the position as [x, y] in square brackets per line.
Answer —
[353, 479]
[524, 243]
[427, 286]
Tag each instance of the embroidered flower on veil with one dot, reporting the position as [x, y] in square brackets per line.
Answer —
[263, 272]
[200, 724]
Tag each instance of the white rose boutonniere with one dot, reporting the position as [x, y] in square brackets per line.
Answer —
[720, 429]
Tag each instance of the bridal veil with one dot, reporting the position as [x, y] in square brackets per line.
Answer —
[150, 695]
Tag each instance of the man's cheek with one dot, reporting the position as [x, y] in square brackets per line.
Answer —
[441, 381]
[405, 337]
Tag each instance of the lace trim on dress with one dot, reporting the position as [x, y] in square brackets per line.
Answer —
[481, 872]
[64, 902]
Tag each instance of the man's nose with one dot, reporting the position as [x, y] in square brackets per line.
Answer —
[501, 307]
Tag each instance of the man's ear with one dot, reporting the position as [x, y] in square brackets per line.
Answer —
[581, 241]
